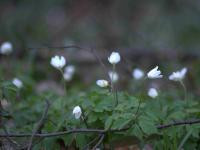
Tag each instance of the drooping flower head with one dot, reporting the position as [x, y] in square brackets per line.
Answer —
[137, 74]
[178, 75]
[17, 82]
[6, 48]
[114, 77]
[77, 112]
[152, 93]
[102, 83]
[58, 62]
[154, 73]
[114, 58]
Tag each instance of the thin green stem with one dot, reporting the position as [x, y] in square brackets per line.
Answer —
[64, 83]
[113, 88]
[65, 90]
[184, 88]
[187, 136]
[83, 117]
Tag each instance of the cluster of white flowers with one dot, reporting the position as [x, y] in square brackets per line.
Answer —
[6, 48]
[58, 62]
[114, 58]
[17, 82]
[69, 72]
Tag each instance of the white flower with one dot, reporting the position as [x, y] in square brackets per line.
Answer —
[58, 62]
[70, 69]
[102, 83]
[114, 58]
[138, 74]
[153, 92]
[178, 75]
[6, 48]
[114, 77]
[67, 76]
[154, 73]
[17, 82]
[69, 72]
[77, 112]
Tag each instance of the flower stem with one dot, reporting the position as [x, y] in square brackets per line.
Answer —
[64, 83]
[65, 90]
[184, 88]
[113, 88]
[83, 117]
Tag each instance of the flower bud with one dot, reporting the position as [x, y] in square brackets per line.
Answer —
[58, 62]
[102, 83]
[114, 58]
[6, 48]
[17, 82]
[152, 93]
[77, 112]
[137, 74]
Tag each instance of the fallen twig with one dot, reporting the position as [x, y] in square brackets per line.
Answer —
[100, 131]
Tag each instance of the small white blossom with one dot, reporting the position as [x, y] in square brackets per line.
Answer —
[6, 48]
[137, 74]
[69, 72]
[178, 75]
[114, 58]
[114, 77]
[102, 83]
[67, 77]
[152, 93]
[77, 112]
[17, 82]
[69, 69]
[58, 62]
[154, 73]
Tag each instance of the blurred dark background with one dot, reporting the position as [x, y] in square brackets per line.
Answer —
[150, 25]
[146, 33]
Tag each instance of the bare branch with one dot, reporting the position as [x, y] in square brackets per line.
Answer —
[178, 123]
[100, 131]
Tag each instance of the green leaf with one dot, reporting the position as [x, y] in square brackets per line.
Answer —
[108, 123]
[120, 123]
[68, 139]
[147, 125]
[136, 132]
[81, 140]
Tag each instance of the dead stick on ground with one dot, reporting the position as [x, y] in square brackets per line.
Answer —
[53, 134]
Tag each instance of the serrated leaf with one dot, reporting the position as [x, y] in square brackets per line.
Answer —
[147, 125]
[120, 123]
[108, 123]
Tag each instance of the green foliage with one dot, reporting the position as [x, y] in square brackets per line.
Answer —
[138, 113]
